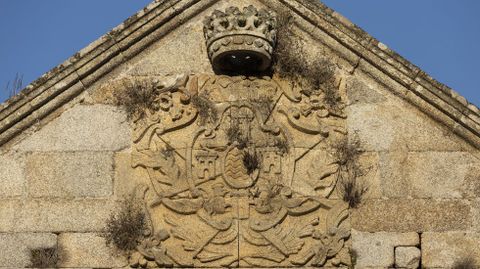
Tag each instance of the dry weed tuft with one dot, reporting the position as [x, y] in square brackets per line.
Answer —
[206, 109]
[465, 263]
[251, 161]
[349, 185]
[43, 257]
[125, 229]
[137, 97]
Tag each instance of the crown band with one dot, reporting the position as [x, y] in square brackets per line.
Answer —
[240, 41]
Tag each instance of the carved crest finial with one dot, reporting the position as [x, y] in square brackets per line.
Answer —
[241, 41]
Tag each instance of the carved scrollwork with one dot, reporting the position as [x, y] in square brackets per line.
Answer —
[310, 113]
[223, 193]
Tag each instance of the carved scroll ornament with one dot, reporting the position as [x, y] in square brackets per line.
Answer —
[223, 191]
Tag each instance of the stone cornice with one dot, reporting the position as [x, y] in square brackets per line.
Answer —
[70, 78]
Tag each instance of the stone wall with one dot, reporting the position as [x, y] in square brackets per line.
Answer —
[64, 175]
[423, 201]
[58, 188]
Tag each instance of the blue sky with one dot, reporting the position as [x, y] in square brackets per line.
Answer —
[439, 36]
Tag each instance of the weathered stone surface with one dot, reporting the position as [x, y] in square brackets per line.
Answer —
[12, 179]
[306, 174]
[15, 247]
[382, 127]
[406, 215]
[88, 250]
[377, 249]
[84, 215]
[127, 180]
[472, 182]
[95, 127]
[407, 257]
[124, 179]
[158, 58]
[444, 249]
[359, 92]
[476, 215]
[7, 214]
[70, 174]
[428, 174]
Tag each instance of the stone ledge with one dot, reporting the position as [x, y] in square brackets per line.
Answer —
[86, 54]
[19, 123]
[348, 28]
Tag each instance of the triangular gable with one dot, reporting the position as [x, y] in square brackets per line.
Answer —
[365, 53]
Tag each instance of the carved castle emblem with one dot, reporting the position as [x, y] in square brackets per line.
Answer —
[239, 187]
[239, 169]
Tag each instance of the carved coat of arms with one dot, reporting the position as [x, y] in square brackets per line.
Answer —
[240, 175]
[239, 168]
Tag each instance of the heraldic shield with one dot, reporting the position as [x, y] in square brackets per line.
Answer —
[239, 173]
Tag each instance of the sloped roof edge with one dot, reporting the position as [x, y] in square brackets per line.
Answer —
[70, 78]
[432, 97]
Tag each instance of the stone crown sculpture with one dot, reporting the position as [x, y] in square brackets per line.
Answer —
[241, 41]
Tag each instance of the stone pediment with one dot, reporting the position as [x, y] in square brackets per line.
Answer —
[233, 164]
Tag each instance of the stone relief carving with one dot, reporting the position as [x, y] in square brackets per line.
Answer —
[225, 192]
[238, 39]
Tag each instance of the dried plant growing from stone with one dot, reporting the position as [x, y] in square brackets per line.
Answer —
[264, 104]
[353, 257]
[347, 153]
[349, 185]
[234, 134]
[318, 75]
[12, 88]
[285, 61]
[352, 191]
[136, 97]
[330, 90]
[43, 257]
[206, 109]
[251, 161]
[291, 61]
[282, 145]
[125, 229]
[465, 263]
